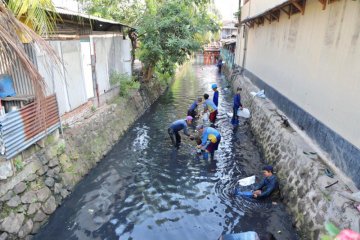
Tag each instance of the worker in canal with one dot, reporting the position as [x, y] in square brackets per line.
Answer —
[236, 105]
[219, 64]
[209, 106]
[192, 111]
[210, 140]
[269, 185]
[216, 94]
[176, 127]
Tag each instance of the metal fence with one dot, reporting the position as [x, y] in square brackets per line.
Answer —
[228, 57]
[22, 128]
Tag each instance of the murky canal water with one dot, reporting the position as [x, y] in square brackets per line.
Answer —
[144, 189]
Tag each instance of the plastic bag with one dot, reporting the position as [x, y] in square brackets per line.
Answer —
[245, 113]
[206, 118]
[247, 181]
[260, 94]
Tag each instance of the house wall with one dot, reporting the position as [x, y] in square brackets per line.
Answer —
[112, 54]
[309, 65]
[72, 82]
[74, 75]
[255, 7]
[304, 186]
[66, 81]
[126, 56]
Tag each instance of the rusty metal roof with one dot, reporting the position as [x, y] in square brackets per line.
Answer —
[76, 15]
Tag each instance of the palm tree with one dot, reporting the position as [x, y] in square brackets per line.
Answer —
[40, 15]
[13, 32]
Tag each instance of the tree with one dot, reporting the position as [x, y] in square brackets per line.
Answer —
[168, 30]
[39, 15]
[123, 11]
[168, 33]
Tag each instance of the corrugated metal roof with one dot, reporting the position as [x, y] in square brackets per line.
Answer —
[261, 7]
[62, 11]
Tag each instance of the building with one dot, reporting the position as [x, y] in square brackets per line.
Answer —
[228, 29]
[306, 56]
[91, 49]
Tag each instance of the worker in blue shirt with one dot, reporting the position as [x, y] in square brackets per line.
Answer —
[268, 185]
[219, 64]
[176, 127]
[210, 139]
[192, 111]
[237, 104]
[216, 94]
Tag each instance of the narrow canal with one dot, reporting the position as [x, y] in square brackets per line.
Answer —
[144, 189]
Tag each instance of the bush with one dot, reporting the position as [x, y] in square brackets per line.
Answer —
[125, 81]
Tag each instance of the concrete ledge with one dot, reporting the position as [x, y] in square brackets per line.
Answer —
[300, 167]
[341, 152]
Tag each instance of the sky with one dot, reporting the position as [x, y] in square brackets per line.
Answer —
[227, 8]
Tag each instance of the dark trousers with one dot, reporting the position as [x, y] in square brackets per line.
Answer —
[192, 113]
[235, 118]
[175, 137]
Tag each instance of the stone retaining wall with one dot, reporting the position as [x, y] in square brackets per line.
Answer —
[299, 168]
[35, 182]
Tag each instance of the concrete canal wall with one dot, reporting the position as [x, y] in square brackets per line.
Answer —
[46, 173]
[300, 167]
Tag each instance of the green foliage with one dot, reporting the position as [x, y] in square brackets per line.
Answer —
[125, 81]
[60, 149]
[35, 14]
[124, 11]
[169, 33]
[332, 229]
[19, 164]
[238, 14]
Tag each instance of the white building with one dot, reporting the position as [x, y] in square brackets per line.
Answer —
[228, 29]
[306, 55]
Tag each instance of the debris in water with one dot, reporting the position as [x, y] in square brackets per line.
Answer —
[114, 221]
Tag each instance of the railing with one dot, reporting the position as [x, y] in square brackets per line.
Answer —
[21, 128]
[228, 57]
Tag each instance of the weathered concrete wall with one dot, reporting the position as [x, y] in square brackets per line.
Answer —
[36, 181]
[310, 72]
[112, 55]
[312, 60]
[300, 169]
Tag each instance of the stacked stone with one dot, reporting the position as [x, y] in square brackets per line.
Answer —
[33, 193]
[50, 169]
[304, 185]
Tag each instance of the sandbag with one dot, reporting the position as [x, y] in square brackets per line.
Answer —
[245, 113]
[247, 181]
[206, 118]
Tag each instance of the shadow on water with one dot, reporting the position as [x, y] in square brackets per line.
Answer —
[143, 189]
